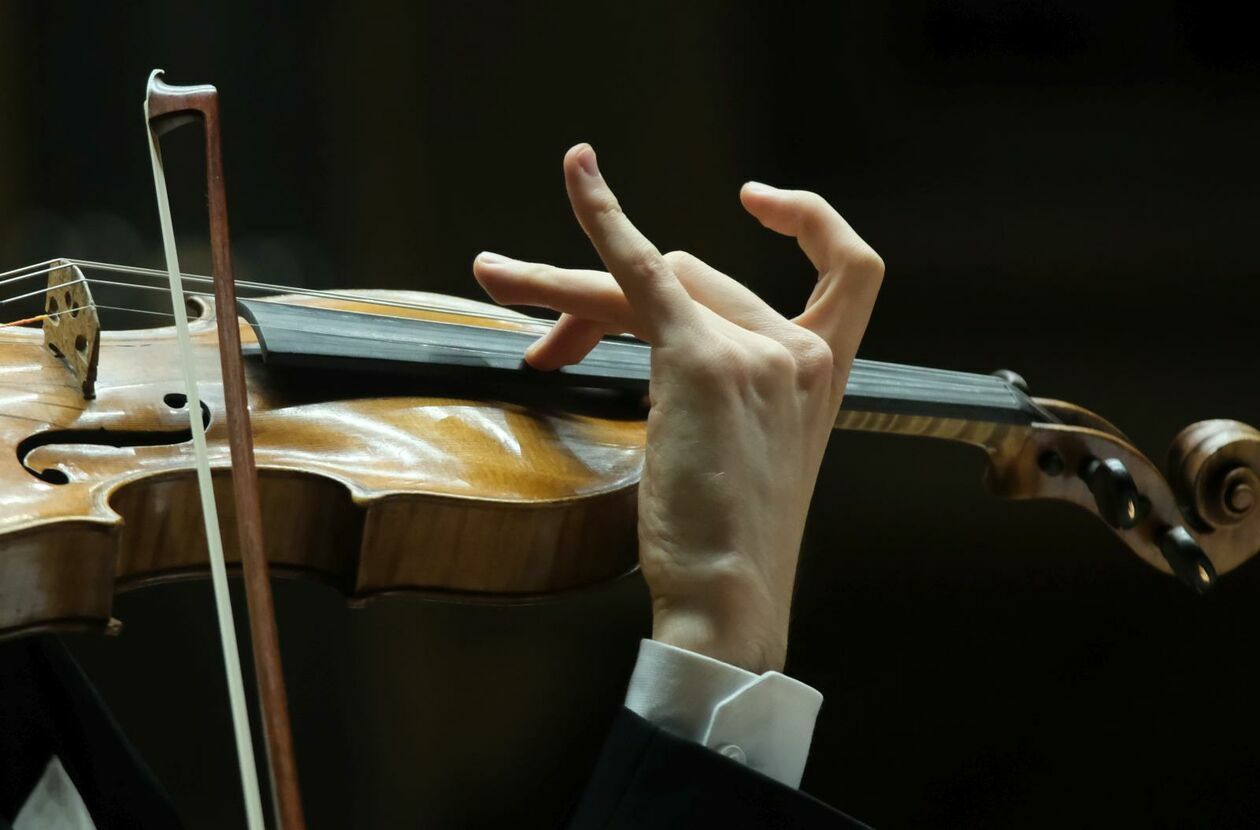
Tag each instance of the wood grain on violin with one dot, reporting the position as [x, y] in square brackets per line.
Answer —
[380, 482]
[373, 494]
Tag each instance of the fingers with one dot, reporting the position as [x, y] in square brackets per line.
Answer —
[850, 272]
[660, 303]
[593, 295]
[568, 341]
[822, 233]
[721, 293]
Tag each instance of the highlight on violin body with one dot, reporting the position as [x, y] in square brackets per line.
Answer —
[339, 369]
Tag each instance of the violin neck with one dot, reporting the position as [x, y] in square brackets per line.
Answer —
[294, 336]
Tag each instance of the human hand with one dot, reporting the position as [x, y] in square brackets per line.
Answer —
[743, 401]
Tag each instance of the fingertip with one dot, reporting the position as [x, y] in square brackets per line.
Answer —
[488, 259]
[478, 266]
[569, 341]
[494, 273]
[581, 159]
[483, 263]
[758, 199]
[536, 357]
[755, 189]
[546, 355]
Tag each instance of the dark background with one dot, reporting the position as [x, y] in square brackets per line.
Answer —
[1063, 188]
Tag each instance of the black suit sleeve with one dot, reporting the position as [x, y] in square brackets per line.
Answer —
[48, 707]
[647, 778]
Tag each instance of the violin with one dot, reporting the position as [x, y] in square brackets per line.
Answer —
[402, 444]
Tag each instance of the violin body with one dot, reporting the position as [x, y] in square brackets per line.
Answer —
[373, 491]
[376, 478]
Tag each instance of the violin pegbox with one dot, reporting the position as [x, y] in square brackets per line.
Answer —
[72, 329]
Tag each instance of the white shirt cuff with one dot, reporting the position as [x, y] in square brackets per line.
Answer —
[764, 721]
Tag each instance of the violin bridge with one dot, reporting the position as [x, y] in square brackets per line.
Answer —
[72, 329]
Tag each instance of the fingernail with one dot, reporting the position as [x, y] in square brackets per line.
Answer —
[488, 258]
[759, 188]
[586, 160]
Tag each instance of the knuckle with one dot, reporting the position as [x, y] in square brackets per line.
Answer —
[679, 260]
[606, 206]
[814, 203]
[648, 265]
[814, 357]
[533, 280]
[816, 212]
[869, 262]
[770, 368]
[538, 274]
[775, 360]
[857, 260]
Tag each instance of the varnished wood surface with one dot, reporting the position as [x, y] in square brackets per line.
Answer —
[1214, 466]
[392, 491]
[1201, 457]
[374, 494]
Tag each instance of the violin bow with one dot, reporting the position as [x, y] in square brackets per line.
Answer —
[166, 108]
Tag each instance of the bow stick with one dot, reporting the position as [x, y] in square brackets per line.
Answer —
[166, 108]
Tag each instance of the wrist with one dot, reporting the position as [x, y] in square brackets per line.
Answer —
[743, 637]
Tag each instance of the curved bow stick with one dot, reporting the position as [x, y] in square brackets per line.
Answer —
[168, 107]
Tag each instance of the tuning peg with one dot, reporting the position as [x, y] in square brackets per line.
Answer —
[1187, 559]
[1116, 494]
[1013, 378]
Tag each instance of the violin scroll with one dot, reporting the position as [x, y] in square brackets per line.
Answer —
[1202, 520]
[1213, 469]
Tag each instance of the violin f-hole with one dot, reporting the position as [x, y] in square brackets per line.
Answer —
[104, 437]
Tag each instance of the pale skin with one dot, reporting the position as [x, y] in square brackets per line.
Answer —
[743, 401]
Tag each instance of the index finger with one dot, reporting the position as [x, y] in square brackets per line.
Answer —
[658, 299]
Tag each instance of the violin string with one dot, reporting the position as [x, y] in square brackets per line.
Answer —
[607, 358]
[24, 268]
[371, 300]
[535, 322]
[21, 277]
[312, 292]
[39, 318]
[378, 337]
[47, 290]
[872, 371]
[871, 377]
[270, 327]
[523, 320]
